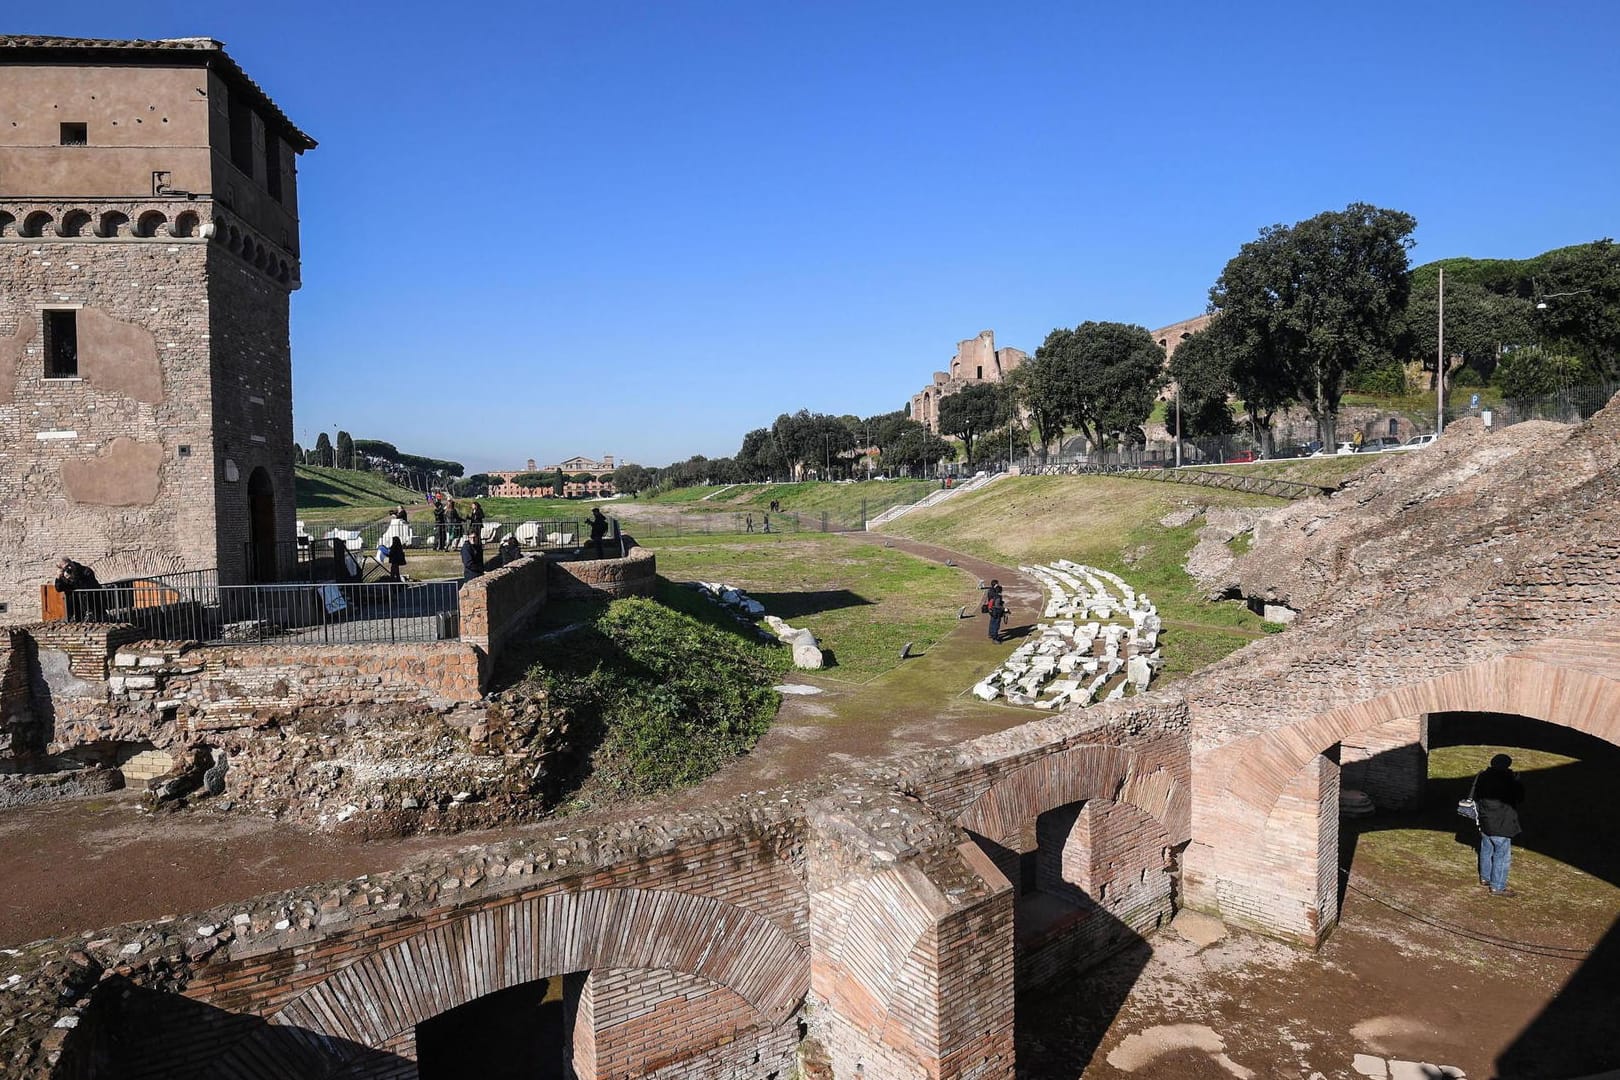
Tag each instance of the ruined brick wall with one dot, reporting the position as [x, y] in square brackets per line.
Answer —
[500, 604]
[605, 579]
[21, 735]
[699, 932]
[96, 459]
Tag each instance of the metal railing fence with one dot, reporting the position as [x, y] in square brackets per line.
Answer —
[292, 614]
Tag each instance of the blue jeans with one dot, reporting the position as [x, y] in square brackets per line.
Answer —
[995, 628]
[1495, 859]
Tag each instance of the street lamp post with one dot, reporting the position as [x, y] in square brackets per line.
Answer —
[1440, 363]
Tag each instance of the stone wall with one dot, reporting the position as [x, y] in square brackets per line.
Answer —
[97, 458]
[605, 579]
[501, 603]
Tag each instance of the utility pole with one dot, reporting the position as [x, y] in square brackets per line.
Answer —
[1440, 363]
[1178, 425]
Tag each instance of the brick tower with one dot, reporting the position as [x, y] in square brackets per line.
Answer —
[148, 252]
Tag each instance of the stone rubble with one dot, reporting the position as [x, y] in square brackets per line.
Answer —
[1070, 662]
[806, 649]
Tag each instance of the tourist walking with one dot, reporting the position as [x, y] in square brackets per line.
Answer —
[998, 611]
[599, 530]
[767, 527]
[396, 559]
[1497, 793]
[438, 525]
[748, 526]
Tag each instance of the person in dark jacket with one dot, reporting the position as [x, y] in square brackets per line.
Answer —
[396, 559]
[1497, 794]
[599, 529]
[469, 560]
[998, 611]
[454, 513]
[438, 525]
[70, 577]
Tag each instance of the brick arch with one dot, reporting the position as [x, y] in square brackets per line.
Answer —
[1574, 684]
[1075, 775]
[380, 998]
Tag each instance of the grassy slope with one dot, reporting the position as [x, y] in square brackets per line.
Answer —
[840, 501]
[862, 600]
[1105, 522]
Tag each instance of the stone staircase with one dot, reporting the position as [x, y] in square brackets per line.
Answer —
[933, 498]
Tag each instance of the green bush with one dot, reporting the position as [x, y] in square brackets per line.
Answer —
[1385, 378]
[1467, 378]
[666, 698]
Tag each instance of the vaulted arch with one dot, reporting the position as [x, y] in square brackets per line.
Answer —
[384, 995]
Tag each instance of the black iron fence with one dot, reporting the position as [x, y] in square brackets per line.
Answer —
[293, 614]
[1569, 405]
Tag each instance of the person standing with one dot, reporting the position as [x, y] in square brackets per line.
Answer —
[454, 514]
[1497, 793]
[599, 529]
[399, 514]
[998, 611]
[469, 560]
[396, 559]
[475, 517]
[748, 525]
[438, 524]
[70, 577]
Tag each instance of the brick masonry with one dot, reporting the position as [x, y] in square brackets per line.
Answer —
[605, 579]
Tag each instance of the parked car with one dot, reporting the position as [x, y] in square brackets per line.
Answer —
[1379, 444]
[1342, 448]
[1418, 442]
[1242, 457]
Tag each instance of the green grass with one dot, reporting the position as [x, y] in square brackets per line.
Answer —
[1106, 522]
[319, 487]
[660, 699]
[842, 502]
[862, 600]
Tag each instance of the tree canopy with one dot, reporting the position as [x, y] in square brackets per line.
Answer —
[970, 413]
[631, 478]
[1100, 377]
[1310, 302]
[1201, 368]
[532, 481]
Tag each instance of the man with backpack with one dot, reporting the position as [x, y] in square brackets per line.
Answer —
[1497, 793]
[995, 605]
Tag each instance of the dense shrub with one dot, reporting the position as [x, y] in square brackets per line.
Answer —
[666, 698]
[1385, 378]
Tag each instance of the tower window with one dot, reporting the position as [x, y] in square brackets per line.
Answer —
[75, 134]
[272, 163]
[241, 131]
[981, 371]
[61, 344]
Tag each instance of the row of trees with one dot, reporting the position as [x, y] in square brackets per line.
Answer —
[1307, 311]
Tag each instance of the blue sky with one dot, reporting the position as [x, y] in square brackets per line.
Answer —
[537, 230]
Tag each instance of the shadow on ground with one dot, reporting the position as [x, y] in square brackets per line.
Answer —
[1568, 817]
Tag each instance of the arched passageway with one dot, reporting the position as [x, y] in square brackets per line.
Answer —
[261, 526]
[1265, 808]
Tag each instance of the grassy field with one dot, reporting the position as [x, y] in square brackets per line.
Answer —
[1109, 523]
[841, 502]
[864, 601]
